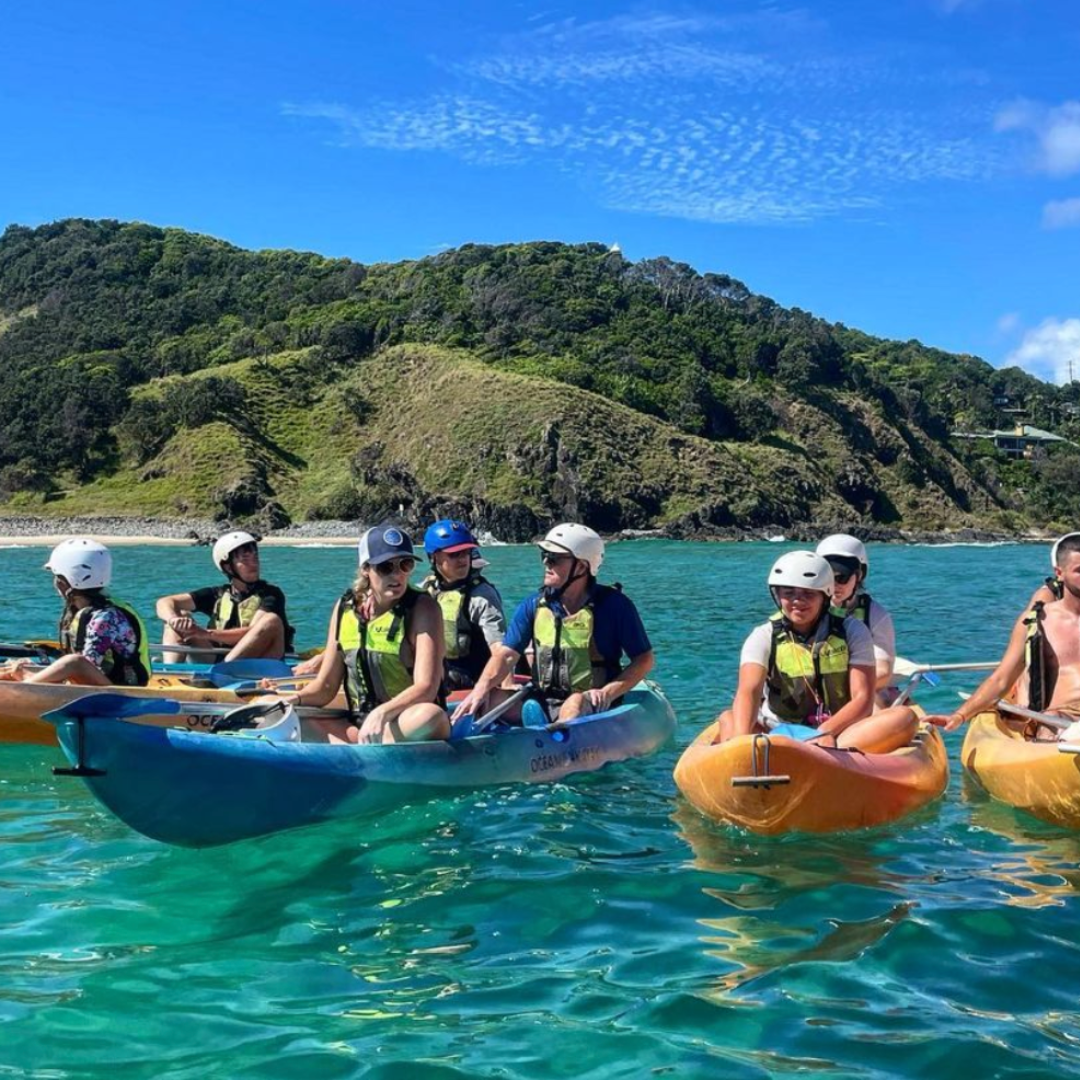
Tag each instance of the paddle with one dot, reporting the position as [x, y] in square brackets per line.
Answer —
[31, 650]
[248, 669]
[492, 715]
[1055, 722]
[927, 673]
[212, 650]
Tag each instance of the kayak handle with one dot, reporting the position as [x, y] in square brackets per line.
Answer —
[763, 778]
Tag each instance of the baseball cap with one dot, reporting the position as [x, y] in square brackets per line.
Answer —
[383, 543]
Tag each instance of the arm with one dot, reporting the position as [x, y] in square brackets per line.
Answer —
[996, 684]
[627, 679]
[861, 686]
[323, 688]
[884, 635]
[496, 670]
[175, 612]
[747, 705]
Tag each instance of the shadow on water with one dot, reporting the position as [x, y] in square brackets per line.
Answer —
[780, 886]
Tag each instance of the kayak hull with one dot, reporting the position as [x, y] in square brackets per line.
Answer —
[23, 704]
[827, 790]
[1032, 776]
[199, 790]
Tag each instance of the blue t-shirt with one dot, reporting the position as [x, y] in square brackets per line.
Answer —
[617, 626]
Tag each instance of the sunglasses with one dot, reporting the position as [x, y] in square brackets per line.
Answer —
[550, 558]
[842, 577]
[793, 592]
[395, 566]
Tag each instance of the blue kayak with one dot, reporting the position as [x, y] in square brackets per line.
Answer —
[199, 790]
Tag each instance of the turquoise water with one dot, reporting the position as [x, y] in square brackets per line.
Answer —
[594, 928]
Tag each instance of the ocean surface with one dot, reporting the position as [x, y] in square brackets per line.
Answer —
[594, 928]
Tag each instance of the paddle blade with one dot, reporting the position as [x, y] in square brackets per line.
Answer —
[247, 670]
[930, 679]
[113, 707]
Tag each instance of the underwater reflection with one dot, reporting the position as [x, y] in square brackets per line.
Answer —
[1033, 864]
[781, 886]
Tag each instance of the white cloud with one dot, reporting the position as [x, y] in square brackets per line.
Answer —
[720, 118]
[1061, 214]
[1048, 350]
[1056, 130]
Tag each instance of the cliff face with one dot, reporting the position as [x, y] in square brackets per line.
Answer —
[148, 371]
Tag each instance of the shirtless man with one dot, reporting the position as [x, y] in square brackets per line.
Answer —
[1044, 647]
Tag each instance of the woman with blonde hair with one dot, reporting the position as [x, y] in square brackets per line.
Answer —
[385, 644]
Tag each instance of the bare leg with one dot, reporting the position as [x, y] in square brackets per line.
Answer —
[265, 638]
[74, 668]
[881, 732]
[574, 706]
[418, 723]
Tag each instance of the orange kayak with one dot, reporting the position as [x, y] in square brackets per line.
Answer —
[774, 784]
[22, 705]
[1031, 775]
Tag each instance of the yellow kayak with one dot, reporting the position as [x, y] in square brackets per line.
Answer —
[23, 704]
[775, 784]
[1032, 775]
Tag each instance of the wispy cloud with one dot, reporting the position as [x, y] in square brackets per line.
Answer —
[1061, 214]
[1049, 349]
[1055, 131]
[1008, 324]
[713, 118]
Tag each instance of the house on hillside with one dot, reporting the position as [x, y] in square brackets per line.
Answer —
[1021, 442]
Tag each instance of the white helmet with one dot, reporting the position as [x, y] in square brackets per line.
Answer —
[802, 570]
[225, 545]
[82, 563]
[842, 546]
[1057, 544]
[577, 540]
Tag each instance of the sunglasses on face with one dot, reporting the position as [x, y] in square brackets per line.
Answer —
[246, 549]
[842, 577]
[793, 592]
[404, 565]
[550, 558]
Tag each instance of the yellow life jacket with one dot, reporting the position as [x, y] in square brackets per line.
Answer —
[467, 650]
[375, 670]
[808, 678]
[565, 658]
[246, 610]
[119, 670]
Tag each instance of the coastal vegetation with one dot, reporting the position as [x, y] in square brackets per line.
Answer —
[154, 371]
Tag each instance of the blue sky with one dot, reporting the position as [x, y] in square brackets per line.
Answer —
[909, 167]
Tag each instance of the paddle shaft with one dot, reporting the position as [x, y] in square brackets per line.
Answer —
[213, 650]
[1055, 722]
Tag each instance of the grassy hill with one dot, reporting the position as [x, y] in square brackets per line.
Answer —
[154, 372]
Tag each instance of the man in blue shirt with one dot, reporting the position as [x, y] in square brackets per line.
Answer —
[578, 630]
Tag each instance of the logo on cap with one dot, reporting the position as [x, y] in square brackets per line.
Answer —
[393, 537]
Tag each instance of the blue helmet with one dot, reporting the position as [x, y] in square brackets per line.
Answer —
[447, 535]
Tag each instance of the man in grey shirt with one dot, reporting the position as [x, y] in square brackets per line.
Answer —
[472, 609]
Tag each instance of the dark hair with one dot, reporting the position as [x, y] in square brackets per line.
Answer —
[1067, 546]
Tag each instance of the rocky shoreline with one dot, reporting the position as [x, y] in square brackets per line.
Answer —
[204, 530]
